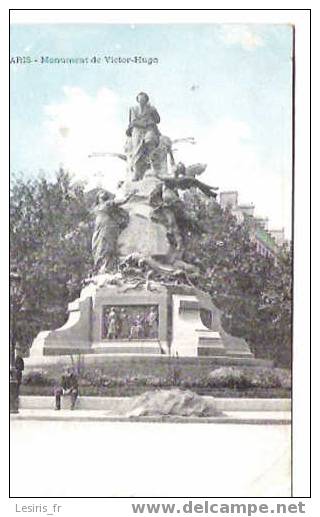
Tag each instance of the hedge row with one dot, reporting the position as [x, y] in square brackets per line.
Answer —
[224, 377]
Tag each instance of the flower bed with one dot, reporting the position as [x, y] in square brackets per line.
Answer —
[223, 382]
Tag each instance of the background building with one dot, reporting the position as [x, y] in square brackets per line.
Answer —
[268, 242]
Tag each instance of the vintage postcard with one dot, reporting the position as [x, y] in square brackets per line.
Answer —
[151, 258]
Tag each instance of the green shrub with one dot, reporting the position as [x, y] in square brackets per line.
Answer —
[38, 378]
[226, 377]
[232, 377]
[271, 378]
[229, 377]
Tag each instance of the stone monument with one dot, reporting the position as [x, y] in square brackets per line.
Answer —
[142, 297]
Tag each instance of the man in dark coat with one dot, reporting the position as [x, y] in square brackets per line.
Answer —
[68, 386]
[19, 366]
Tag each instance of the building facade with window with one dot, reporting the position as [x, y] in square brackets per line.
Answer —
[268, 242]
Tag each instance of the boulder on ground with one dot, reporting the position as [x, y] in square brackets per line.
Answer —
[174, 402]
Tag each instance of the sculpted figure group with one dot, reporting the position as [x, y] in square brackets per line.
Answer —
[146, 152]
[130, 322]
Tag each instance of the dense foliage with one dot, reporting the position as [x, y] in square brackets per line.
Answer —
[49, 249]
[253, 291]
[51, 227]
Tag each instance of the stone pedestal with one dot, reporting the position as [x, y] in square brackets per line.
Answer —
[189, 334]
[130, 320]
[142, 235]
[73, 337]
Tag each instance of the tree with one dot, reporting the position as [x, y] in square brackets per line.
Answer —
[49, 247]
[253, 291]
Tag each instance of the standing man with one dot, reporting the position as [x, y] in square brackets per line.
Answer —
[19, 366]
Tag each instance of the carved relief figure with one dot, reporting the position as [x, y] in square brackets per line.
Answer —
[123, 324]
[112, 324]
[151, 323]
[130, 322]
[136, 330]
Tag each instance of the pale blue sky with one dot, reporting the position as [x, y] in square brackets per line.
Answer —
[243, 88]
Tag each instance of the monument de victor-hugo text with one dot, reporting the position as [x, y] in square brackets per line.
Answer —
[143, 296]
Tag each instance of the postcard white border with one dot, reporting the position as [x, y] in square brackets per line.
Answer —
[300, 18]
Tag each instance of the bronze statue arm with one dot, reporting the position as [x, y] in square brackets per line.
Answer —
[102, 155]
[188, 140]
[185, 182]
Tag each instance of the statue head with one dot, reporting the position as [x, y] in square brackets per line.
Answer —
[103, 196]
[142, 98]
[180, 170]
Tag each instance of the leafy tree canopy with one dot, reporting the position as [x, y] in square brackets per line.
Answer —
[49, 247]
[253, 291]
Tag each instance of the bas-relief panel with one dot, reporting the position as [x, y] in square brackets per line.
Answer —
[130, 322]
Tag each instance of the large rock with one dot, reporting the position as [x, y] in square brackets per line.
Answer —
[174, 402]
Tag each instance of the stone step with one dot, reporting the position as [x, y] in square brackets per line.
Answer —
[150, 361]
[233, 417]
[113, 403]
[145, 350]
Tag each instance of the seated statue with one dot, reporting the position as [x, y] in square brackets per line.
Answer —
[143, 135]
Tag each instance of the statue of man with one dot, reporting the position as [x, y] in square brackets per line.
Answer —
[143, 135]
